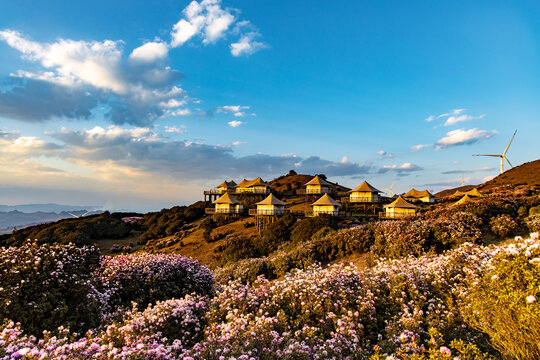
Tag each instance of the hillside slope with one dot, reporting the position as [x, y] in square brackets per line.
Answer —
[526, 175]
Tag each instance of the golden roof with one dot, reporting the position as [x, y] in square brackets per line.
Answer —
[458, 193]
[326, 200]
[400, 203]
[226, 199]
[227, 184]
[271, 200]
[474, 192]
[249, 183]
[464, 200]
[365, 187]
[317, 180]
[413, 193]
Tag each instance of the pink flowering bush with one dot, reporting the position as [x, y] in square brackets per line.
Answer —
[45, 286]
[163, 331]
[503, 225]
[146, 278]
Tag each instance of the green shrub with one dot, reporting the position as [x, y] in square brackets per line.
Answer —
[277, 233]
[46, 286]
[240, 248]
[305, 229]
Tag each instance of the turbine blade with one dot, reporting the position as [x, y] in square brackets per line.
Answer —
[508, 161]
[505, 150]
[488, 155]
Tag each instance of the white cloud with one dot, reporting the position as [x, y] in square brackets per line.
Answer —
[457, 119]
[150, 52]
[463, 137]
[344, 160]
[175, 129]
[235, 123]
[173, 103]
[246, 45]
[180, 112]
[206, 18]
[418, 147]
[239, 143]
[92, 62]
[95, 72]
[236, 110]
[454, 116]
[385, 154]
[210, 21]
[405, 167]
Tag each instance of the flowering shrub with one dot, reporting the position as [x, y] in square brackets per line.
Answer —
[147, 278]
[503, 225]
[505, 302]
[533, 223]
[45, 286]
[174, 319]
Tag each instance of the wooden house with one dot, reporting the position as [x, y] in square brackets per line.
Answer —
[318, 185]
[271, 206]
[326, 205]
[424, 196]
[226, 186]
[364, 193]
[399, 208]
[227, 204]
[255, 186]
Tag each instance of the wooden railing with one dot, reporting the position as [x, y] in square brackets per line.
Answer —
[255, 212]
[236, 192]
[212, 211]
[315, 191]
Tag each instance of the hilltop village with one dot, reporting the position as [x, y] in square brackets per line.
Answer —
[318, 196]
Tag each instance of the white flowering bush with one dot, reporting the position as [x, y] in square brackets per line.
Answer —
[146, 278]
[505, 301]
[45, 286]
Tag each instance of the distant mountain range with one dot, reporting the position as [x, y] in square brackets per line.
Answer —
[56, 208]
[19, 216]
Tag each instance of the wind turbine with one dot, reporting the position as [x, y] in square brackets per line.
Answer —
[389, 190]
[76, 217]
[503, 155]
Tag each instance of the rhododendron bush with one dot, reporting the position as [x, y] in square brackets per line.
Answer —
[146, 278]
[45, 286]
[432, 306]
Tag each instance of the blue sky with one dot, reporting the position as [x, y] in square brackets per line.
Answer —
[141, 105]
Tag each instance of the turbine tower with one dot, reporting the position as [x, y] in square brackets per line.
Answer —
[76, 217]
[389, 190]
[503, 155]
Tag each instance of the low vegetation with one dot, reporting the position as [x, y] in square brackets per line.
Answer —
[427, 307]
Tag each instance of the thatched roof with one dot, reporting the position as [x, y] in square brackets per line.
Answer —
[365, 187]
[401, 204]
[474, 192]
[226, 199]
[326, 200]
[413, 193]
[458, 193]
[317, 180]
[271, 200]
[464, 200]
